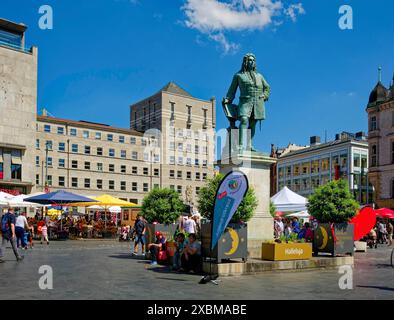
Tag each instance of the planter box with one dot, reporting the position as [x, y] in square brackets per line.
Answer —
[286, 251]
[339, 243]
[233, 244]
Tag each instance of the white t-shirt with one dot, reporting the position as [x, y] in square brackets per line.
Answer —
[190, 226]
[21, 221]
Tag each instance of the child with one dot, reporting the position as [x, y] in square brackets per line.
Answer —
[180, 245]
[44, 234]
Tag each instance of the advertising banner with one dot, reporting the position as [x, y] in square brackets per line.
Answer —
[229, 195]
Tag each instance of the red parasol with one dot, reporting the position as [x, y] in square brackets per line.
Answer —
[363, 222]
[385, 213]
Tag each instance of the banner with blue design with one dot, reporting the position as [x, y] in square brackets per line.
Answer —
[229, 196]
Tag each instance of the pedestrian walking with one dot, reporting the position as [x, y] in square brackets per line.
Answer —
[8, 234]
[139, 230]
[389, 229]
[44, 233]
[20, 226]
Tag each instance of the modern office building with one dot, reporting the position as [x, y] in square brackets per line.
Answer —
[170, 142]
[310, 167]
[18, 99]
[380, 111]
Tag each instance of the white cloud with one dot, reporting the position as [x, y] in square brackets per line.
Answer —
[215, 17]
[293, 10]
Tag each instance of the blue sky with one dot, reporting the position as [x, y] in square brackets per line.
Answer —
[103, 55]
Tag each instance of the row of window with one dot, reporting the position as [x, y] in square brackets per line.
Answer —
[188, 148]
[179, 175]
[188, 134]
[16, 171]
[87, 183]
[188, 161]
[373, 122]
[99, 151]
[97, 135]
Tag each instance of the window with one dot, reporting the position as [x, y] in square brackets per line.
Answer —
[99, 167]
[37, 161]
[62, 163]
[145, 187]
[111, 152]
[87, 165]
[172, 145]
[172, 173]
[37, 179]
[189, 114]
[198, 176]
[145, 171]
[121, 139]
[188, 175]
[205, 118]
[172, 187]
[99, 184]
[156, 158]
[123, 169]
[134, 155]
[334, 162]
[47, 128]
[373, 124]
[60, 130]
[123, 185]
[110, 137]
[179, 189]
[314, 167]
[87, 149]
[99, 151]
[49, 180]
[74, 148]
[364, 161]
[180, 133]
[374, 155]
[172, 117]
[196, 162]
[74, 182]
[111, 185]
[156, 172]
[74, 164]
[50, 162]
[73, 132]
[306, 167]
[62, 146]
[204, 176]
[87, 183]
[123, 154]
[324, 164]
[111, 168]
[143, 142]
[133, 140]
[172, 160]
[49, 145]
[180, 161]
[196, 135]
[97, 135]
[204, 163]
[196, 149]
[146, 156]
[357, 160]
[134, 170]
[197, 190]
[85, 134]
[189, 148]
[134, 186]
[179, 174]
[180, 147]
[189, 134]
[37, 143]
[188, 161]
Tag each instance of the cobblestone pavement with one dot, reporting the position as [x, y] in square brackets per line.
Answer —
[106, 270]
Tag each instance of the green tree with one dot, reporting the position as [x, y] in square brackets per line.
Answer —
[206, 200]
[332, 203]
[162, 205]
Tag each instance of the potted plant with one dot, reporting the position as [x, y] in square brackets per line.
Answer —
[161, 208]
[333, 205]
[233, 242]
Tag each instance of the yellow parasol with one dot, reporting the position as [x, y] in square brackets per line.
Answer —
[106, 201]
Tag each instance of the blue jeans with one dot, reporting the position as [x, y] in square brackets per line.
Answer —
[20, 236]
[177, 260]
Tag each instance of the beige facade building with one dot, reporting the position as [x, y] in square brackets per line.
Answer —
[170, 142]
[18, 100]
[380, 111]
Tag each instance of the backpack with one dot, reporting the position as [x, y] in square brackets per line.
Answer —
[5, 226]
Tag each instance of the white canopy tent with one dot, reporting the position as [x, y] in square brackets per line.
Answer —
[17, 201]
[288, 201]
[301, 214]
[114, 209]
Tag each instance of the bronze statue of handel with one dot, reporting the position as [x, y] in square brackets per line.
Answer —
[254, 91]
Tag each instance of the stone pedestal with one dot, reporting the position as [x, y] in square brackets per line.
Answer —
[256, 166]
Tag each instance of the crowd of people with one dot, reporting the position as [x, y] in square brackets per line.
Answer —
[381, 233]
[187, 253]
[289, 228]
